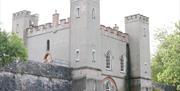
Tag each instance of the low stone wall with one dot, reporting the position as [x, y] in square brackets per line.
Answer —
[163, 87]
[33, 76]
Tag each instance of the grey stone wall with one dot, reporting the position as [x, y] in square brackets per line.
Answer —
[87, 84]
[34, 76]
[163, 87]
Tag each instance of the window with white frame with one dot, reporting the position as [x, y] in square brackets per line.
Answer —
[77, 55]
[108, 60]
[77, 12]
[122, 63]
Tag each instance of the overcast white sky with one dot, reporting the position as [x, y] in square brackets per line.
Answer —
[161, 12]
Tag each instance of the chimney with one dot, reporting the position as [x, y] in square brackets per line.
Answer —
[55, 19]
[116, 27]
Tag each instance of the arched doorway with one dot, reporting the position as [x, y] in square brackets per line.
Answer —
[47, 58]
[109, 84]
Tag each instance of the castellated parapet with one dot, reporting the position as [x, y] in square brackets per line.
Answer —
[48, 27]
[137, 17]
[20, 14]
[114, 33]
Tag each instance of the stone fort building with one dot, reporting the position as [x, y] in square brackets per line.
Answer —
[102, 58]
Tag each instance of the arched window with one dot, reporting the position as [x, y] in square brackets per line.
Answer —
[47, 58]
[93, 55]
[122, 63]
[108, 60]
[93, 13]
[109, 84]
[77, 55]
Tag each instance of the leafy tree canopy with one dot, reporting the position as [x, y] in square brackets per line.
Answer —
[11, 48]
[166, 62]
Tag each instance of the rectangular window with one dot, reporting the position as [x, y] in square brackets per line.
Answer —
[48, 45]
[77, 12]
[77, 55]
[122, 63]
[93, 13]
[93, 55]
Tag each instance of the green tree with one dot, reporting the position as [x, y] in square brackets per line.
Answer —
[11, 48]
[166, 62]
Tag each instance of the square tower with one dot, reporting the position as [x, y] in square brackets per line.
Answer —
[137, 26]
[85, 44]
[21, 21]
[85, 33]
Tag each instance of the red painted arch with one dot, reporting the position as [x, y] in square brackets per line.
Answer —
[111, 80]
[46, 56]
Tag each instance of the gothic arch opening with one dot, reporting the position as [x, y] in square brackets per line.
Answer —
[109, 84]
[47, 58]
[108, 56]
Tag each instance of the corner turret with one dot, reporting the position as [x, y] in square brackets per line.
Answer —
[21, 21]
[137, 27]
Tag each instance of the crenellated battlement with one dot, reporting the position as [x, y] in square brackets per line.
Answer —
[35, 15]
[136, 17]
[48, 27]
[20, 14]
[114, 33]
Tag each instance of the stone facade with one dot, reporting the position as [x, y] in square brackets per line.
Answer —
[34, 76]
[97, 54]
